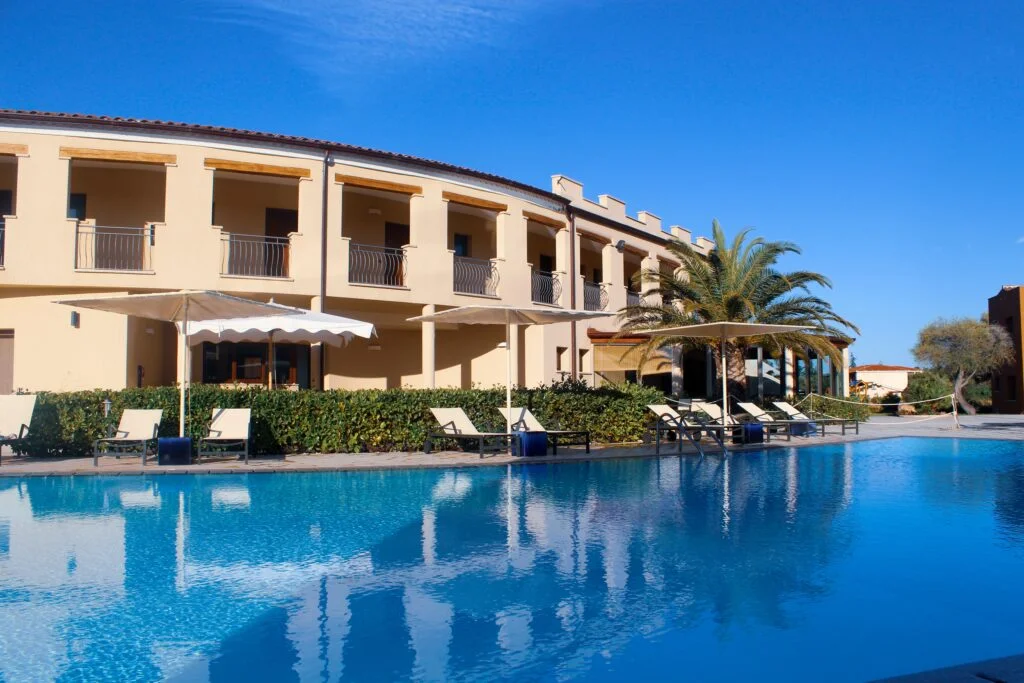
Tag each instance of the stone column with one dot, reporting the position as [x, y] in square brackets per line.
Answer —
[845, 374]
[652, 265]
[512, 258]
[562, 266]
[427, 348]
[612, 272]
[677, 371]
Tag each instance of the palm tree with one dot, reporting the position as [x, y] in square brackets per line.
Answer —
[737, 282]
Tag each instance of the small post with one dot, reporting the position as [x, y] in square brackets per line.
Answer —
[107, 403]
[956, 418]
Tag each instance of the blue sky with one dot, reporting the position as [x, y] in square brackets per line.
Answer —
[885, 138]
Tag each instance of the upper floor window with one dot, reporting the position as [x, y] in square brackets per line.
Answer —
[546, 263]
[76, 206]
[460, 243]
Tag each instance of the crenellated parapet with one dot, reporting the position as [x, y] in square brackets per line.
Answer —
[614, 209]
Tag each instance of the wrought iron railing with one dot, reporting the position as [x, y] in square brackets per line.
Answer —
[595, 297]
[254, 255]
[373, 265]
[545, 288]
[475, 276]
[632, 298]
[99, 247]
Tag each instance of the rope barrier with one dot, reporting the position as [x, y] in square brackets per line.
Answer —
[862, 403]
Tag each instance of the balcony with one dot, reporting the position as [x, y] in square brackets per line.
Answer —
[475, 276]
[545, 288]
[632, 298]
[595, 297]
[254, 256]
[373, 265]
[114, 248]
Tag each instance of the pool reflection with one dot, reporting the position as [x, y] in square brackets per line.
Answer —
[532, 571]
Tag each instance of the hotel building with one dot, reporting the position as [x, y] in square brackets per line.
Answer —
[96, 204]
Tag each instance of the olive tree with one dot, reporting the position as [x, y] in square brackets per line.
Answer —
[961, 349]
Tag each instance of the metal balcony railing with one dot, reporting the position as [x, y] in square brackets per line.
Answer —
[595, 297]
[373, 265]
[632, 298]
[545, 288]
[254, 255]
[100, 247]
[475, 276]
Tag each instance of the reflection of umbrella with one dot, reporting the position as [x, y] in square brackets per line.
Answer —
[179, 307]
[507, 316]
[723, 331]
[294, 326]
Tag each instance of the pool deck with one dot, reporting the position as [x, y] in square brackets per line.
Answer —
[1006, 427]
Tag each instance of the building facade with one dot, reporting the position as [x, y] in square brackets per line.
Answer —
[878, 381]
[95, 204]
[1006, 308]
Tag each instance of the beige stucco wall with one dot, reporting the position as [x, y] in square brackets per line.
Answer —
[153, 345]
[241, 203]
[364, 227]
[117, 196]
[481, 231]
[887, 380]
[50, 354]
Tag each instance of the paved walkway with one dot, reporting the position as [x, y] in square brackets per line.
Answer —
[974, 427]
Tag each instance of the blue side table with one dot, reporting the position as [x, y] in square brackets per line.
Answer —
[174, 450]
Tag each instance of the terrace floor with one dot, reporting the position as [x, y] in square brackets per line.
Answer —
[1008, 427]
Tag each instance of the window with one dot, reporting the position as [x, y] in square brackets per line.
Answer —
[6, 203]
[560, 353]
[460, 243]
[246, 363]
[583, 360]
[546, 264]
[76, 206]
[598, 276]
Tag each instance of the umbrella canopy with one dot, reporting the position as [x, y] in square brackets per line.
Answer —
[723, 331]
[508, 316]
[294, 326]
[179, 307]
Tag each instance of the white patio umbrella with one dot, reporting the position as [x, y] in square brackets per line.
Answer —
[508, 316]
[723, 331]
[178, 307]
[296, 325]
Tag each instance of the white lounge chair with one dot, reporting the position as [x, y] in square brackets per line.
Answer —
[769, 422]
[795, 415]
[456, 425]
[523, 417]
[230, 430]
[15, 416]
[137, 429]
[670, 420]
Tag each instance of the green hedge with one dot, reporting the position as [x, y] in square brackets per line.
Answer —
[848, 408]
[337, 421]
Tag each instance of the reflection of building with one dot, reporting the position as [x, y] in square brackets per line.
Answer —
[1006, 308]
[101, 204]
[876, 381]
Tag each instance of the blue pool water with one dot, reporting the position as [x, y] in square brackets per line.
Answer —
[830, 563]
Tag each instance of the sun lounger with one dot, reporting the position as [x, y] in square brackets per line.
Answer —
[795, 415]
[769, 422]
[670, 420]
[133, 435]
[15, 415]
[456, 425]
[522, 417]
[229, 433]
[715, 413]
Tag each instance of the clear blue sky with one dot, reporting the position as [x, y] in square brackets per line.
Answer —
[885, 138]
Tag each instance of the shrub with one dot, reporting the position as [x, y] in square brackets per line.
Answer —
[848, 408]
[922, 386]
[337, 421]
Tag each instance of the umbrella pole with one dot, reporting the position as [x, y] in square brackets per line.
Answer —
[508, 377]
[270, 359]
[184, 372]
[725, 385]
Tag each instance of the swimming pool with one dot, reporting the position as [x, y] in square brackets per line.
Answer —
[834, 563]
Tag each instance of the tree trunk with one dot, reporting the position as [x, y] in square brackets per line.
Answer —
[735, 367]
[958, 392]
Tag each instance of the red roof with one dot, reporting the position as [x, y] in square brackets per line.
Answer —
[884, 368]
[117, 122]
